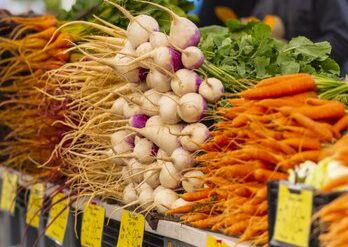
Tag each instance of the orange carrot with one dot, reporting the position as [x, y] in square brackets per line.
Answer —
[180, 210]
[298, 158]
[303, 143]
[335, 184]
[341, 124]
[208, 222]
[323, 133]
[237, 228]
[279, 102]
[330, 110]
[193, 217]
[197, 195]
[235, 171]
[230, 220]
[264, 175]
[277, 79]
[292, 86]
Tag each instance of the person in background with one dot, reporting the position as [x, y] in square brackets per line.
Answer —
[318, 20]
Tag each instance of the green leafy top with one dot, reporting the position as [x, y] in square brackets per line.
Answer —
[84, 9]
[249, 51]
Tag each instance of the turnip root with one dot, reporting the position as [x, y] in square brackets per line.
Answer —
[145, 151]
[165, 57]
[169, 177]
[192, 181]
[181, 158]
[154, 121]
[138, 121]
[136, 169]
[117, 106]
[130, 110]
[129, 194]
[159, 135]
[192, 107]
[158, 39]
[143, 49]
[194, 135]
[146, 197]
[122, 141]
[158, 189]
[183, 32]
[151, 175]
[139, 28]
[185, 81]
[168, 108]
[164, 199]
[180, 203]
[211, 89]
[158, 81]
[192, 58]
[150, 101]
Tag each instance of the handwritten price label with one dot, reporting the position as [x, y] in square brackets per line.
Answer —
[35, 205]
[213, 242]
[58, 218]
[92, 226]
[8, 192]
[131, 230]
[294, 212]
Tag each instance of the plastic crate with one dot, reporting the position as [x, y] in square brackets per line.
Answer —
[318, 201]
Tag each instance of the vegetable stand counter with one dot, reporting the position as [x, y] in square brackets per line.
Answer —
[167, 233]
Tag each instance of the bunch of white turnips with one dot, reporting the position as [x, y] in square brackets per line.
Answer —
[164, 102]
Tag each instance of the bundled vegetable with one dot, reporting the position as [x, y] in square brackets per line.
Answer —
[26, 111]
[273, 127]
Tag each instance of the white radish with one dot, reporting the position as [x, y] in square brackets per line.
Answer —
[185, 81]
[168, 108]
[158, 39]
[169, 176]
[192, 181]
[211, 89]
[180, 203]
[158, 81]
[129, 194]
[192, 57]
[192, 107]
[164, 199]
[183, 32]
[194, 135]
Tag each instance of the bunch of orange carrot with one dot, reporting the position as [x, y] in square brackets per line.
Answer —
[31, 117]
[274, 126]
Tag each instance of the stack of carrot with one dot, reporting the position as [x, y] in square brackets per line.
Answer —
[273, 127]
[25, 110]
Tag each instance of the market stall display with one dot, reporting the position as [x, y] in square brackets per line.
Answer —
[146, 111]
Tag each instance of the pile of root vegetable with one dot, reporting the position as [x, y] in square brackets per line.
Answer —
[127, 119]
[25, 112]
[273, 127]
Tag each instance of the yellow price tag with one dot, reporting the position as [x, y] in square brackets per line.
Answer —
[131, 230]
[213, 242]
[58, 218]
[92, 226]
[8, 192]
[293, 220]
[35, 203]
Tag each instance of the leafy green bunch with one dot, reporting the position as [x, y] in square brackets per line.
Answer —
[84, 10]
[249, 51]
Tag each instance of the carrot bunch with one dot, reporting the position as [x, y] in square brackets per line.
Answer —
[30, 116]
[274, 126]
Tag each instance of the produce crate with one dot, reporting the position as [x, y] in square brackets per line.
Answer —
[318, 201]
